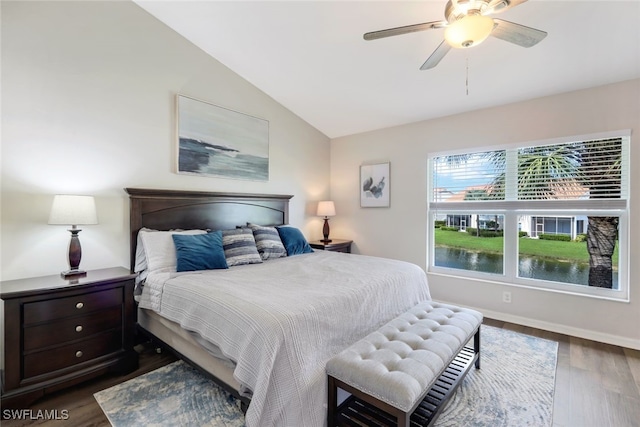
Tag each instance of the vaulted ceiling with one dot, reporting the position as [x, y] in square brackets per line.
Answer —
[310, 56]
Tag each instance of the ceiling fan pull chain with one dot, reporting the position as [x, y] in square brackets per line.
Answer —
[467, 79]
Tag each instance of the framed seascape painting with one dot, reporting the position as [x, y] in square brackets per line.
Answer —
[215, 141]
[374, 186]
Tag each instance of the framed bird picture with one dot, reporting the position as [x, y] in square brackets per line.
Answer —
[374, 185]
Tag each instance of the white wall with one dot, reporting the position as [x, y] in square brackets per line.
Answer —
[400, 231]
[88, 107]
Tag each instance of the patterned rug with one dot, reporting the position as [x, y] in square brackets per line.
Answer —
[513, 388]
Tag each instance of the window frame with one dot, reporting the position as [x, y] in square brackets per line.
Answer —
[512, 209]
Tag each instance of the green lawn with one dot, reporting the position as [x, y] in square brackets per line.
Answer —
[535, 247]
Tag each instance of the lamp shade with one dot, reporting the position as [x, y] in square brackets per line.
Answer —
[468, 31]
[326, 208]
[73, 210]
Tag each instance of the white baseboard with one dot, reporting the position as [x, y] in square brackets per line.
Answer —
[560, 329]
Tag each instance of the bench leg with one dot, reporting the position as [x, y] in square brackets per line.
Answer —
[476, 347]
[332, 402]
[404, 419]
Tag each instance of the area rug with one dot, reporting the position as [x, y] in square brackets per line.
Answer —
[513, 388]
[174, 395]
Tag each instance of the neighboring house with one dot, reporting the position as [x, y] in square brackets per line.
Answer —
[441, 194]
[462, 222]
[533, 225]
[536, 225]
[569, 225]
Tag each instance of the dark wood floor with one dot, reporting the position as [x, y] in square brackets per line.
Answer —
[597, 385]
[83, 410]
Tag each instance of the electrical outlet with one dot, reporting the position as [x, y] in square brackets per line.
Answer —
[506, 297]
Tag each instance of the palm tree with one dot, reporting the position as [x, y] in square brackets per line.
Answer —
[544, 172]
[601, 172]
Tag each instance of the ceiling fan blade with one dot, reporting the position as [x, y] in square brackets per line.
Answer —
[499, 6]
[404, 30]
[517, 34]
[436, 56]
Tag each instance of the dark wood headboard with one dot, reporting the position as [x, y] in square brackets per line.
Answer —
[169, 209]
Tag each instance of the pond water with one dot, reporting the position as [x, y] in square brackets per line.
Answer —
[530, 267]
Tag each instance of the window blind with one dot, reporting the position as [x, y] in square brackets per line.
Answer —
[592, 172]
[571, 171]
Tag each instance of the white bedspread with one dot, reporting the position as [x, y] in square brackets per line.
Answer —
[281, 320]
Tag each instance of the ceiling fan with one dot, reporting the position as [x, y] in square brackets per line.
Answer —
[467, 24]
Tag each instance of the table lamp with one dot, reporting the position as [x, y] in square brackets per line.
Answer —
[326, 209]
[73, 211]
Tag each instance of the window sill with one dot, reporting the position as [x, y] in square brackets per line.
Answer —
[538, 285]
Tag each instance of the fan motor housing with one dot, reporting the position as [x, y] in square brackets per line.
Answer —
[456, 9]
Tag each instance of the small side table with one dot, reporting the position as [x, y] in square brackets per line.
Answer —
[335, 245]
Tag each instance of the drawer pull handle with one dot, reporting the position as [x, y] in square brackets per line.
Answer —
[78, 353]
[79, 305]
[79, 328]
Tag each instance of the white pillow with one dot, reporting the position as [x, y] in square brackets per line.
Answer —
[160, 250]
[141, 257]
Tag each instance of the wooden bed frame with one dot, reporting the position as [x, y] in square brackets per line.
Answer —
[170, 209]
[176, 209]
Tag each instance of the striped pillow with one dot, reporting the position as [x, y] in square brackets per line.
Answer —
[268, 242]
[240, 247]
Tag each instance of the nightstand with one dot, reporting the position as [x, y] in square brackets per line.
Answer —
[335, 245]
[59, 332]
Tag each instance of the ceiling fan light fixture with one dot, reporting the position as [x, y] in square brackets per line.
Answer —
[470, 30]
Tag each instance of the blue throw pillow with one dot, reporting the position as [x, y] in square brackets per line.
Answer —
[199, 251]
[293, 241]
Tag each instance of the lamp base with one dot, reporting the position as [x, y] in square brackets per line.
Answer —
[325, 231]
[73, 273]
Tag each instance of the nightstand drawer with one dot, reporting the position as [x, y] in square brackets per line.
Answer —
[61, 357]
[60, 308]
[72, 328]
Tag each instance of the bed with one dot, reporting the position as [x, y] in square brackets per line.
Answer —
[263, 330]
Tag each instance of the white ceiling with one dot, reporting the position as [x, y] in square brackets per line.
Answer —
[310, 55]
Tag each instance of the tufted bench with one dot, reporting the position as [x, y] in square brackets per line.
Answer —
[406, 371]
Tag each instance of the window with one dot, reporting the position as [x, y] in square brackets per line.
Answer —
[551, 214]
